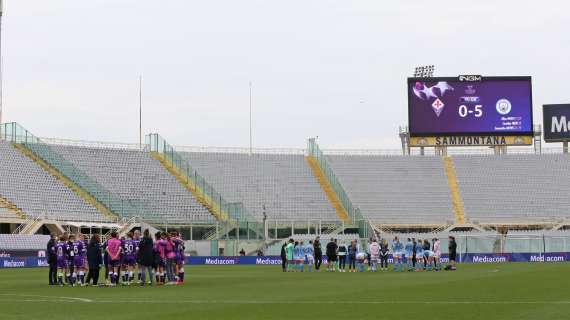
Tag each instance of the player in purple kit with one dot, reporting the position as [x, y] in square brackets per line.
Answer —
[179, 252]
[114, 251]
[70, 258]
[78, 251]
[159, 257]
[61, 255]
[129, 258]
[136, 242]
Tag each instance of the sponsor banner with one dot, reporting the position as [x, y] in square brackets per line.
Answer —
[515, 257]
[30, 262]
[22, 262]
[556, 122]
[467, 141]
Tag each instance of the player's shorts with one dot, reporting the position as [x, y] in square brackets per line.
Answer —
[114, 263]
[428, 253]
[453, 257]
[331, 257]
[180, 259]
[437, 254]
[374, 258]
[129, 261]
[409, 254]
[79, 262]
[398, 254]
[61, 263]
[310, 258]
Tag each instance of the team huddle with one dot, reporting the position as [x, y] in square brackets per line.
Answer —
[413, 255]
[122, 258]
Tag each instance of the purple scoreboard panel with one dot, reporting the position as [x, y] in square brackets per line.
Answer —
[470, 106]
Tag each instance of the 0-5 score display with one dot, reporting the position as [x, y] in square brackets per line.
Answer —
[484, 106]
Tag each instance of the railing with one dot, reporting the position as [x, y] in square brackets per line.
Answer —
[15, 133]
[315, 152]
[234, 212]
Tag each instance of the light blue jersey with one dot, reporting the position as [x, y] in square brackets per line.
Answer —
[309, 251]
[409, 249]
[397, 247]
[419, 250]
[298, 253]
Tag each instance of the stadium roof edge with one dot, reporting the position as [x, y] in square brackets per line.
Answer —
[293, 151]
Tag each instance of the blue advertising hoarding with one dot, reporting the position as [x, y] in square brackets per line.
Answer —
[29, 262]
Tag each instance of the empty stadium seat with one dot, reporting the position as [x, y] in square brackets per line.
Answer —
[23, 242]
[284, 183]
[37, 193]
[133, 175]
[517, 188]
[396, 189]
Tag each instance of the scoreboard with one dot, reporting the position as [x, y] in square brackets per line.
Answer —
[469, 107]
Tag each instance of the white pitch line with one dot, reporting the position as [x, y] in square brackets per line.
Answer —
[72, 299]
[218, 302]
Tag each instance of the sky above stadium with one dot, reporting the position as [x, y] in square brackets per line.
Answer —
[333, 69]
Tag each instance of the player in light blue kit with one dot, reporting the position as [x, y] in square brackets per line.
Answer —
[397, 249]
[309, 255]
[299, 256]
[410, 254]
[419, 255]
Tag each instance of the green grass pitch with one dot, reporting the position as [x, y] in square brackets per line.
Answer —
[493, 291]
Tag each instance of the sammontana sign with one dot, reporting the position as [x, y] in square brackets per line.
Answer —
[464, 141]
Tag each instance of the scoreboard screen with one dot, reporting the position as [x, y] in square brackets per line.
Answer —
[469, 106]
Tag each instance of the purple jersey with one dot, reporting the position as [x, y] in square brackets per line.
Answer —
[129, 252]
[78, 248]
[136, 242]
[178, 248]
[79, 252]
[61, 253]
[129, 248]
[70, 253]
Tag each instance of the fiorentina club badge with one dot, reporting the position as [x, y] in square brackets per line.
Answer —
[437, 107]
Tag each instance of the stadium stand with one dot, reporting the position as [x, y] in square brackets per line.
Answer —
[8, 214]
[37, 193]
[23, 242]
[396, 189]
[133, 175]
[282, 182]
[514, 189]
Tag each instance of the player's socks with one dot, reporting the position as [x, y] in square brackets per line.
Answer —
[116, 277]
[181, 275]
[139, 276]
[157, 276]
[60, 279]
[68, 278]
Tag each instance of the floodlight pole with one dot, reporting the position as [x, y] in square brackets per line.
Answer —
[1, 82]
[140, 112]
[250, 124]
